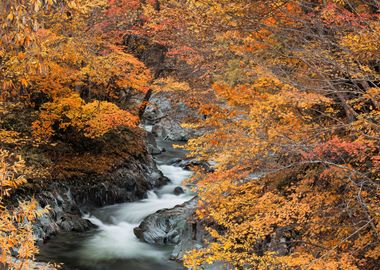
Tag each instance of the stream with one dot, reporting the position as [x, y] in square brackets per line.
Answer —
[113, 245]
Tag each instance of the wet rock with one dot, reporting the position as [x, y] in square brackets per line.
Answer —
[166, 118]
[165, 227]
[153, 149]
[174, 227]
[170, 129]
[33, 265]
[69, 198]
[178, 190]
[188, 164]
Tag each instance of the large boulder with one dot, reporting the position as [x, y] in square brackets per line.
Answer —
[174, 227]
[166, 118]
[168, 226]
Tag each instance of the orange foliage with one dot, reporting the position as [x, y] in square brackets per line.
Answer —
[291, 123]
[94, 119]
[15, 222]
[66, 59]
[70, 82]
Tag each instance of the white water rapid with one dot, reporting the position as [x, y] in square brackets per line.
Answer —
[113, 245]
[115, 238]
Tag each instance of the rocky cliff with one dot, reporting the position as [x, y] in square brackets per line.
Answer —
[85, 180]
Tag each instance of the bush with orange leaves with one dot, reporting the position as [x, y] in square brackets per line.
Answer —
[16, 233]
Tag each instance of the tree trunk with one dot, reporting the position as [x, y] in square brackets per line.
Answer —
[144, 103]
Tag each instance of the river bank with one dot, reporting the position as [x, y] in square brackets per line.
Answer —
[113, 244]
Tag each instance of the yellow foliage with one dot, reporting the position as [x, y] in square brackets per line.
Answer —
[94, 119]
[169, 84]
[291, 123]
[15, 222]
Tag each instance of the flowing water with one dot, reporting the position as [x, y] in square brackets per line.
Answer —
[113, 245]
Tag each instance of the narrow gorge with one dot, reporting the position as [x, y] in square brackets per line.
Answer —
[111, 243]
[187, 134]
[139, 215]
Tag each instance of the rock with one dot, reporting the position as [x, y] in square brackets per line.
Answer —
[171, 129]
[175, 161]
[173, 227]
[166, 226]
[189, 163]
[158, 109]
[33, 265]
[154, 150]
[178, 190]
[69, 198]
[166, 118]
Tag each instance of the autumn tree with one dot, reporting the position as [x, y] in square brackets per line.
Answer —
[16, 234]
[291, 122]
[51, 57]
[63, 80]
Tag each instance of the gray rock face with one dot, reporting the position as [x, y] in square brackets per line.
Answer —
[158, 108]
[153, 149]
[171, 129]
[161, 112]
[166, 118]
[173, 227]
